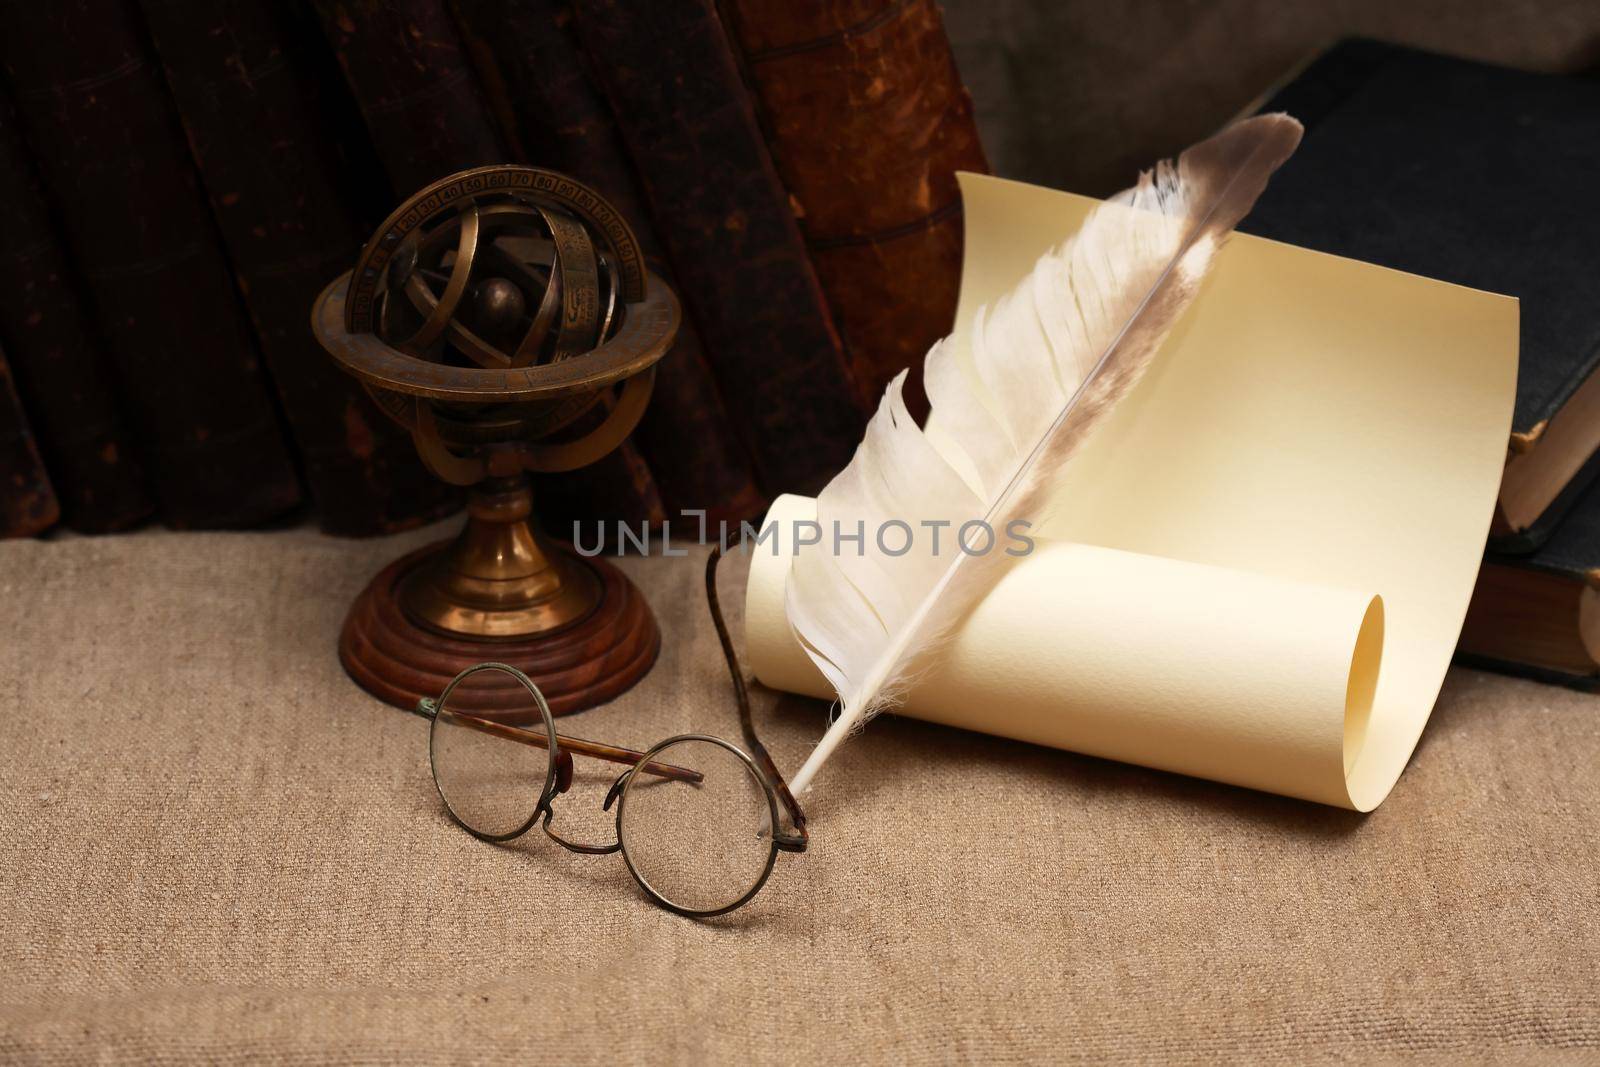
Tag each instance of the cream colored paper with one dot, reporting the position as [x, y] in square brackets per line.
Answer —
[1317, 433]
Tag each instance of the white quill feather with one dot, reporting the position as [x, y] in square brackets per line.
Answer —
[1051, 358]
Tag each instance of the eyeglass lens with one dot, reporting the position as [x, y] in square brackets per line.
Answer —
[490, 782]
[705, 846]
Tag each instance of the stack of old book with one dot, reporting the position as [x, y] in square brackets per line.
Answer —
[178, 182]
[1485, 177]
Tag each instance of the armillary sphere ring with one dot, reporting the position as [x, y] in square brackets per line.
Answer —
[344, 317]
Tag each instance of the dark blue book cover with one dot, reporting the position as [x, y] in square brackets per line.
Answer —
[1478, 175]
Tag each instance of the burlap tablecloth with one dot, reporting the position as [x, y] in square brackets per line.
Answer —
[216, 848]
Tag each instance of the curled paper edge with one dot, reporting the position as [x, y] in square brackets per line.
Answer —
[1237, 677]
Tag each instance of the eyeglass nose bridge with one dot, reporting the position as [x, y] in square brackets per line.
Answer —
[616, 789]
[574, 846]
[563, 783]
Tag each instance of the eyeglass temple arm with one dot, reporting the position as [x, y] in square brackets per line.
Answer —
[429, 709]
[741, 694]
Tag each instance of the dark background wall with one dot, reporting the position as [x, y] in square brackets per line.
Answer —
[1080, 94]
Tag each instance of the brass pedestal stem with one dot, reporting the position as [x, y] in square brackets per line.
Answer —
[496, 580]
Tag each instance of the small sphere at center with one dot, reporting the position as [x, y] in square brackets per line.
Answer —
[498, 304]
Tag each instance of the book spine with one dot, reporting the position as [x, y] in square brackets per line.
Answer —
[1506, 540]
[681, 107]
[96, 114]
[60, 367]
[868, 122]
[1526, 615]
[407, 67]
[281, 197]
[540, 88]
[27, 501]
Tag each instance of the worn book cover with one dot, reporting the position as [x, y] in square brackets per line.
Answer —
[868, 123]
[58, 364]
[539, 86]
[416, 90]
[1473, 174]
[283, 200]
[1539, 614]
[101, 126]
[742, 265]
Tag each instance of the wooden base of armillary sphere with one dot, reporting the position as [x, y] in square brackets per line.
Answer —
[576, 626]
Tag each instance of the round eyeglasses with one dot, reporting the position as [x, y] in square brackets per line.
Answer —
[699, 820]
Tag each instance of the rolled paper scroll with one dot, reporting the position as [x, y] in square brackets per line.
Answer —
[1260, 565]
[1224, 674]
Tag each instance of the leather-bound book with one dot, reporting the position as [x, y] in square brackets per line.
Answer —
[1539, 614]
[1477, 175]
[404, 63]
[406, 66]
[669, 73]
[256, 103]
[27, 500]
[540, 87]
[868, 121]
[110, 153]
[58, 363]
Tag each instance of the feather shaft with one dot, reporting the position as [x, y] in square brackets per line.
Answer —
[1051, 359]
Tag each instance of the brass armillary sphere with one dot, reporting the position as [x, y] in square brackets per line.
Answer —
[505, 317]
